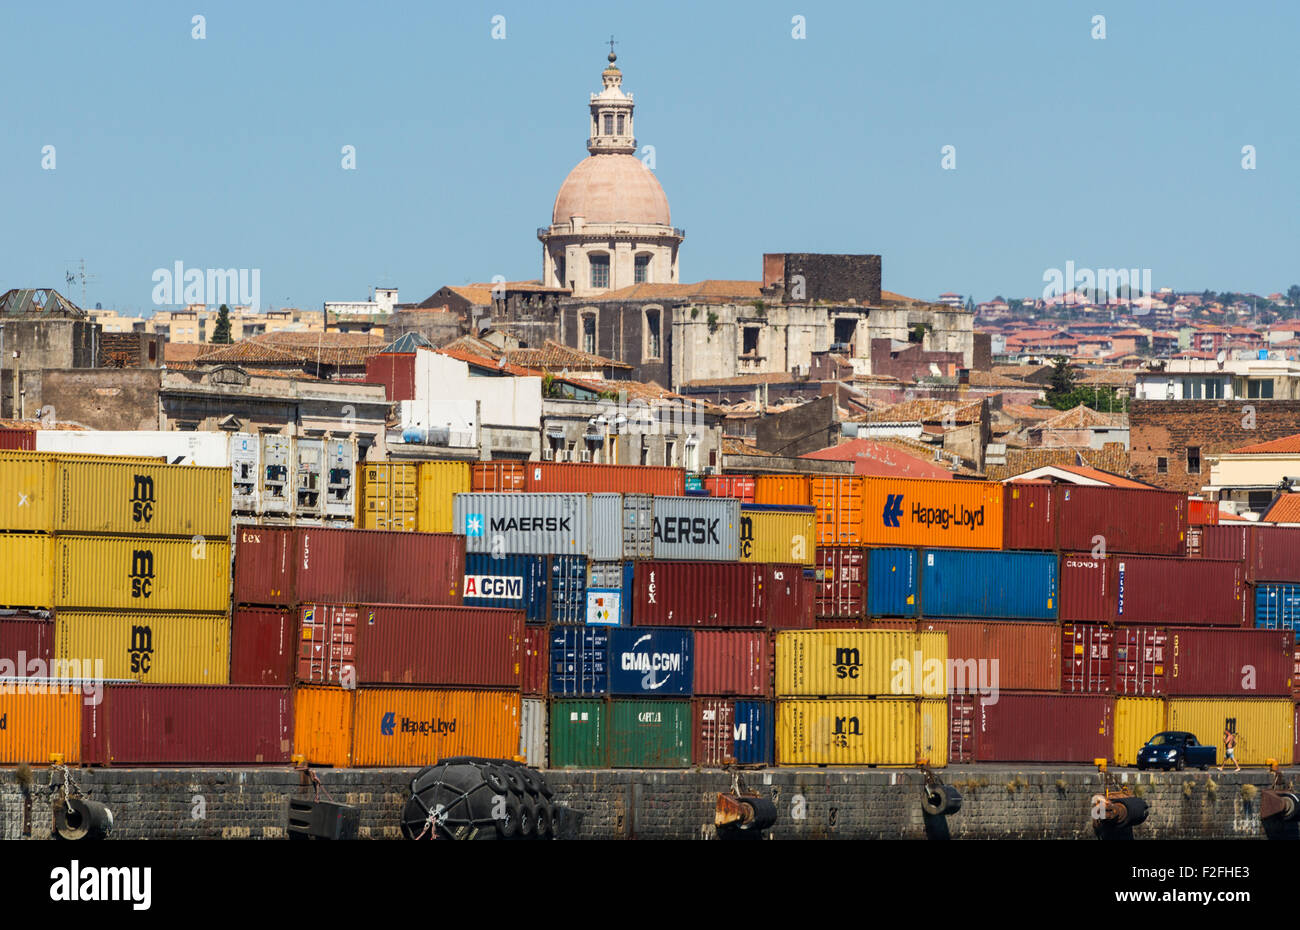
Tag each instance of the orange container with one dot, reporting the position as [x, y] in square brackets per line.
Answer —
[783, 489]
[323, 725]
[917, 512]
[419, 726]
[579, 478]
[838, 500]
[498, 476]
[38, 724]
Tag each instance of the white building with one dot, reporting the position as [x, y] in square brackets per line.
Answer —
[381, 302]
[1212, 379]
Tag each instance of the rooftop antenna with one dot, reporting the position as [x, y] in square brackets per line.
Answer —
[81, 276]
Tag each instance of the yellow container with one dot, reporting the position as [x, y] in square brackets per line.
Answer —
[141, 573]
[783, 489]
[388, 497]
[322, 731]
[28, 576]
[932, 735]
[26, 491]
[778, 536]
[876, 732]
[1137, 719]
[861, 663]
[419, 726]
[438, 483]
[157, 648]
[1265, 727]
[920, 512]
[163, 500]
[34, 725]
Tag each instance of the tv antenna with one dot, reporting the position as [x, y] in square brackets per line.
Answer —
[74, 277]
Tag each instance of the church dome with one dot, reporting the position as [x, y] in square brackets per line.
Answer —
[612, 188]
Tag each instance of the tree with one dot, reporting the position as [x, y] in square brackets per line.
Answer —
[1063, 377]
[221, 332]
[1015, 304]
[1293, 295]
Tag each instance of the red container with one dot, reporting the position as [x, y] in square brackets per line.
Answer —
[395, 371]
[1138, 589]
[580, 478]
[714, 745]
[497, 476]
[740, 487]
[262, 643]
[1231, 663]
[842, 590]
[1031, 727]
[1077, 517]
[287, 566]
[139, 724]
[1000, 653]
[733, 662]
[535, 673]
[1295, 675]
[1269, 553]
[469, 647]
[1087, 658]
[873, 623]
[1202, 513]
[24, 638]
[714, 594]
[17, 439]
[1141, 660]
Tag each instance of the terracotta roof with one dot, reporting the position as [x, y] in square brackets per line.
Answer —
[247, 351]
[1025, 412]
[1105, 477]
[733, 446]
[338, 349]
[474, 346]
[880, 460]
[925, 411]
[1113, 459]
[184, 351]
[1282, 446]
[993, 379]
[766, 377]
[713, 291]
[1285, 510]
[1083, 417]
[494, 364]
[553, 356]
[478, 294]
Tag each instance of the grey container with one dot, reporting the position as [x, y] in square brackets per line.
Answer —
[621, 527]
[525, 524]
[698, 529]
[532, 732]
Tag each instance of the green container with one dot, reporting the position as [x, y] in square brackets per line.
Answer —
[578, 734]
[649, 734]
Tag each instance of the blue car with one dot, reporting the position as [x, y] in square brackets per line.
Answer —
[1175, 749]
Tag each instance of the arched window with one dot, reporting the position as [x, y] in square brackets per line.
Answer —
[653, 340]
[589, 333]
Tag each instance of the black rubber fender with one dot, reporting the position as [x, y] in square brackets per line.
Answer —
[495, 778]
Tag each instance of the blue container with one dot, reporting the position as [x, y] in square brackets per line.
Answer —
[1277, 607]
[615, 578]
[649, 662]
[515, 582]
[579, 660]
[568, 574]
[754, 726]
[989, 584]
[892, 583]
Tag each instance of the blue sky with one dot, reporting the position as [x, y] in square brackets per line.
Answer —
[225, 152]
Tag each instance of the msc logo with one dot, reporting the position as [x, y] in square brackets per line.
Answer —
[746, 537]
[844, 728]
[142, 576]
[387, 724]
[142, 499]
[848, 662]
[141, 649]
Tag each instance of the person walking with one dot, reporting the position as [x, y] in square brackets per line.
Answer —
[1230, 750]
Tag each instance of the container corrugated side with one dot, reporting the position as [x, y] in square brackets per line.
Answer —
[439, 482]
[1265, 727]
[17, 439]
[1087, 658]
[919, 512]
[419, 726]
[657, 661]
[1137, 719]
[842, 586]
[732, 732]
[1129, 520]
[1141, 663]
[740, 487]
[263, 644]
[1277, 607]
[702, 594]
[515, 582]
[323, 724]
[477, 647]
[532, 732]
[783, 489]
[1028, 517]
[577, 738]
[138, 724]
[579, 660]
[997, 585]
[23, 638]
[777, 534]
[893, 583]
[535, 671]
[1140, 589]
[861, 663]
[37, 725]
[529, 524]
[932, 731]
[1016, 655]
[697, 528]
[119, 498]
[838, 502]
[733, 662]
[1040, 727]
[1267, 552]
[157, 648]
[141, 573]
[649, 734]
[34, 585]
[598, 478]
[1246, 663]
[497, 477]
[882, 731]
